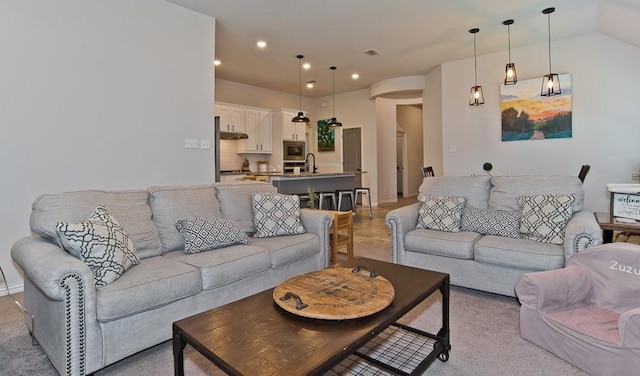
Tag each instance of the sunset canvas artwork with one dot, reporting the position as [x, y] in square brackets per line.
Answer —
[526, 115]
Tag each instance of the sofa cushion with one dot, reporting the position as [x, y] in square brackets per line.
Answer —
[506, 189]
[275, 214]
[155, 282]
[172, 203]
[285, 250]
[441, 243]
[204, 234]
[225, 265]
[440, 213]
[101, 243]
[491, 222]
[475, 189]
[522, 254]
[544, 217]
[130, 207]
[235, 201]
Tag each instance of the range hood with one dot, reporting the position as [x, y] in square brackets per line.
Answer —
[233, 136]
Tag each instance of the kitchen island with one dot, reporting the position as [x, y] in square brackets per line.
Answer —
[290, 183]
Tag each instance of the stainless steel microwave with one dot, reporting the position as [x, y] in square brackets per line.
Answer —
[293, 150]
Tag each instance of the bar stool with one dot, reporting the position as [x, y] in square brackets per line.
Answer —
[304, 199]
[326, 195]
[367, 192]
[350, 196]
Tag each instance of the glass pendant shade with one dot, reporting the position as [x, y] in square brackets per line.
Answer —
[334, 122]
[476, 97]
[551, 81]
[510, 76]
[300, 118]
[550, 85]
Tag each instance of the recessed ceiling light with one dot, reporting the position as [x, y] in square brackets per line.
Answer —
[306, 65]
[217, 62]
[261, 44]
[310, 84]
[355, 76]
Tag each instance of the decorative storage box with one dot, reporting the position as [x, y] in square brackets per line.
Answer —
[625, 200]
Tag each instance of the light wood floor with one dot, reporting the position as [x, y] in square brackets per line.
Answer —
[374, 230]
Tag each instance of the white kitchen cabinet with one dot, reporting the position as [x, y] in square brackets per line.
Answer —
[232, 119]
[259, 128]
[290, 130]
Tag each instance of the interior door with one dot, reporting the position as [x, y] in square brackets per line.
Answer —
[352, 152]
[399, 162]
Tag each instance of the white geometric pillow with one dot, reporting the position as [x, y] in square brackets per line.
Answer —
[544, 217]
[491, 222]
[440, 213]
[101, 243]
[204, 234]
[275, 214]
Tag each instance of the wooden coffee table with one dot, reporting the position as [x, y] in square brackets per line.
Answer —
[254, 336]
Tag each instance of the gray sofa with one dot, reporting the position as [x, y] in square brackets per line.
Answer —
[490, 262]
[82, 328]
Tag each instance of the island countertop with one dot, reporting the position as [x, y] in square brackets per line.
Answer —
[306, 175]
[289, 183]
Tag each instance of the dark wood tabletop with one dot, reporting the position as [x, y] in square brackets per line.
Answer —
[255, 336]
[609, 225]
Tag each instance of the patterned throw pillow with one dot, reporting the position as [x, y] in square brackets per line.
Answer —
[204, 234]
[544, 217]
[440, 213]
[275, 214]
[101, 243]
[491, 222]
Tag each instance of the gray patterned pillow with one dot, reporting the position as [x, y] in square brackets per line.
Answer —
[275, 214]
[491, 222]
[204, 234]
[544, 217]
[440, 213]
[101, 243]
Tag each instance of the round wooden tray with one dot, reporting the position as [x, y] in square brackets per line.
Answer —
[335, 294]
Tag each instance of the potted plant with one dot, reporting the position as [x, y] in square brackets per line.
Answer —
[487, 167]
[311, 204]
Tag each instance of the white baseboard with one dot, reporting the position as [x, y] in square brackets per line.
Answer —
[18, 287]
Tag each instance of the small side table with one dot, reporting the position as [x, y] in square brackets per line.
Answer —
[608, 226]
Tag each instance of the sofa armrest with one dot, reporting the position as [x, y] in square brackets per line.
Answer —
[582, 232]
[629, 328]
[551, 290]
[46, 265]
[318, 222]
[400, 221]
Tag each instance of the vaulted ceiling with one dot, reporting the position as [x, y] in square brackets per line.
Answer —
[411, 36]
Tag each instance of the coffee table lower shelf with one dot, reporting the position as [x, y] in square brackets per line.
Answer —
[398, 350]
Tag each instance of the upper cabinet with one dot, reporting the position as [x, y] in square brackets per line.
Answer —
[259, 128]
[290, 130]
[232, 119]
[255, 122]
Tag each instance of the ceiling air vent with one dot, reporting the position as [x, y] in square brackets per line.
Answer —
[371, 52]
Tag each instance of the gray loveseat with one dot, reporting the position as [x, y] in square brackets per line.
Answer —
[82, 328]
[490, 262]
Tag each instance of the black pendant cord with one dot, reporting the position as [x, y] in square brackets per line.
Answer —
[475, 60]
[300, 81]
[333, 90]
[549, 33]
[509, 35]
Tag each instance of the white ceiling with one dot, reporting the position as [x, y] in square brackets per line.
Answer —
[412, 36]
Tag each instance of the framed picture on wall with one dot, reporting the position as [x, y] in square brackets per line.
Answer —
[326, 136]
[526, 115]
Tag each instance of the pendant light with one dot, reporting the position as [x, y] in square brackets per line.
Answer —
[476, 97]
[300, 118]
[510, 76]
[333, 122]
[551, 81]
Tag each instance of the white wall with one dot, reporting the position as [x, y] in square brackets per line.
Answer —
[432, 114]
[605, 82]
[99, 95]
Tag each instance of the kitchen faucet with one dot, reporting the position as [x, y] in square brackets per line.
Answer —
[306, 162]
